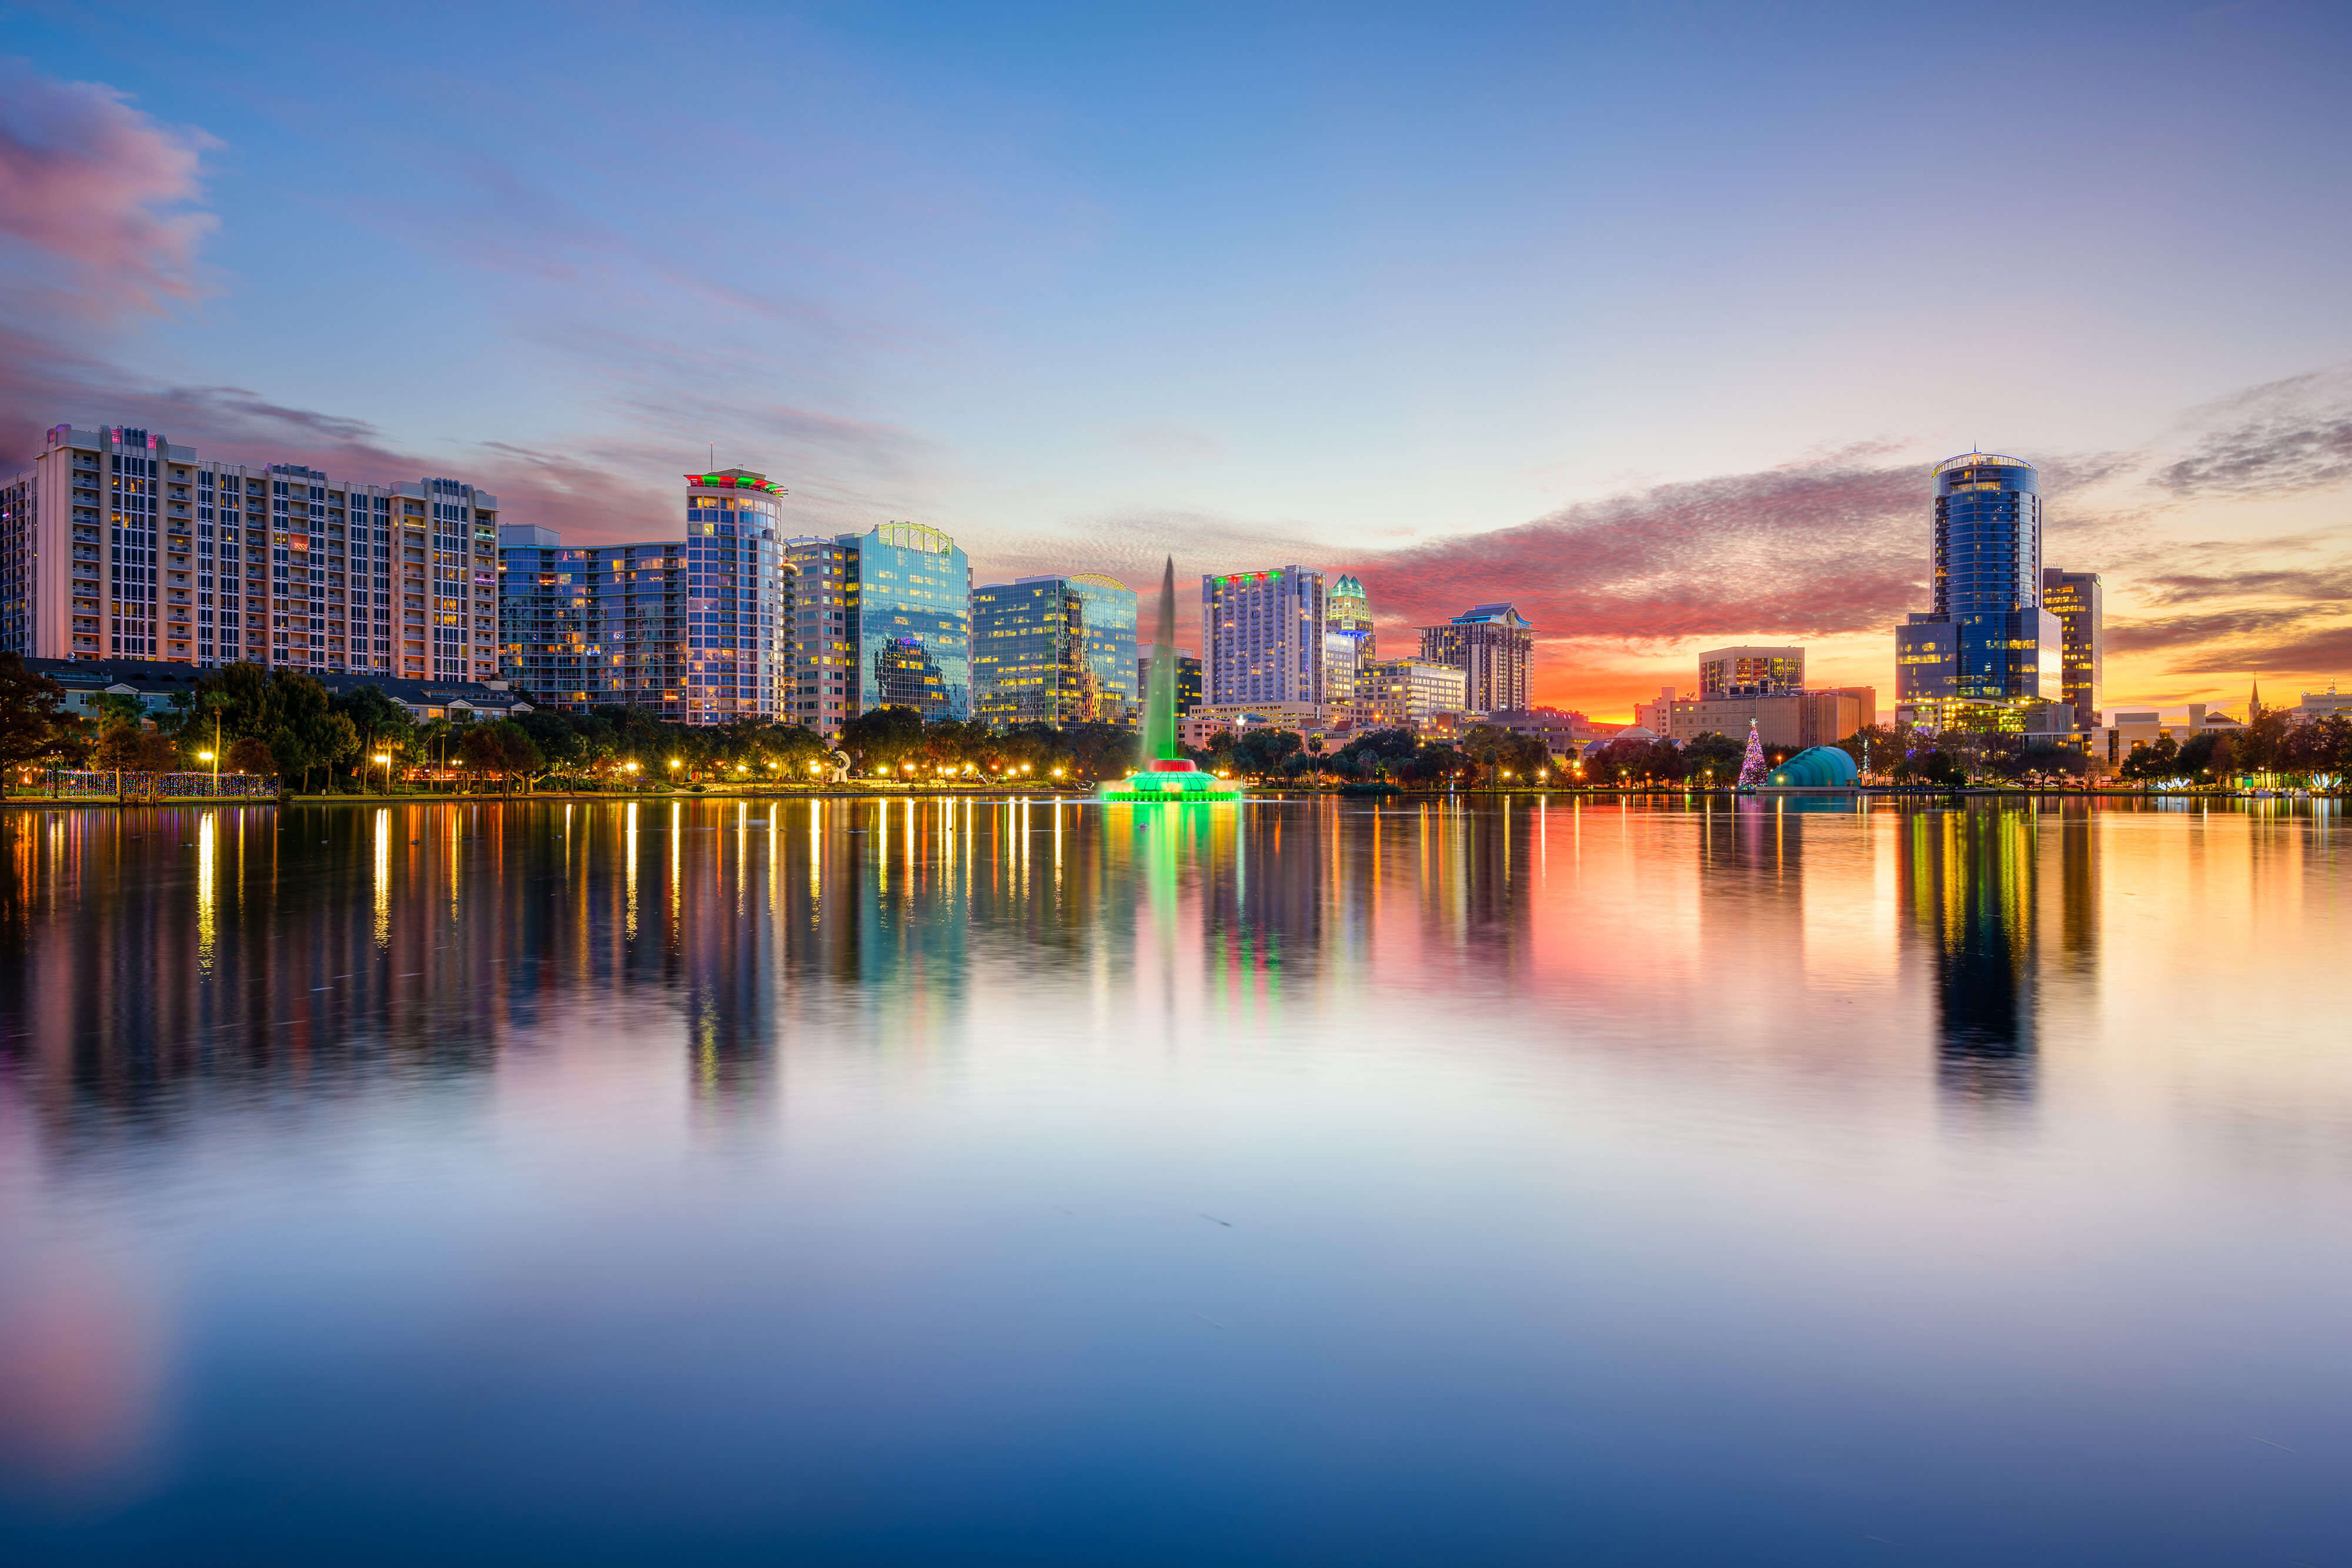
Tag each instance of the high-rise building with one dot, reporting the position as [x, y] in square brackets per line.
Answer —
[2076, 599]
[826, 622]
[1348, 641]
[1493, 647]
[121, 545]
[1262, 638]
[1054, 649]
[1750, 672]
[739, 614]
[1987, 644]
[698, 631]
[884, 619]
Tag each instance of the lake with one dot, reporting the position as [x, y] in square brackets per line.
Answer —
[940, 1182]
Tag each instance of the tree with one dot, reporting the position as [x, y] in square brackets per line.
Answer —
[120, 749]
[2159, 760]
[380, 723]
[32, 717]
[1714, 758]
[1262, 751]
[250, 754]
[884, 738]
[502, 748]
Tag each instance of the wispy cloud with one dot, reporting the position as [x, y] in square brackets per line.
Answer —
[97, 197]
[2292, 434]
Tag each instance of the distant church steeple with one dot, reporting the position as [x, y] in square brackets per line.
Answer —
[2255, 703]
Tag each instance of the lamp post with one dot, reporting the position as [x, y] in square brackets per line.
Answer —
[631, 768]
[383, 760]
[213, 758]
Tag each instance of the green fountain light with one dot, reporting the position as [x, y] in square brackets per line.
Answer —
[1166, 774]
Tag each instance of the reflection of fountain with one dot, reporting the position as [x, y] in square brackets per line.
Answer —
[1166, 774]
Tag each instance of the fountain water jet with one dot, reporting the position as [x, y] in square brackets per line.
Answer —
[1165, 773]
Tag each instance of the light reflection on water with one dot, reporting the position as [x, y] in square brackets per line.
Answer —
[984, 1180]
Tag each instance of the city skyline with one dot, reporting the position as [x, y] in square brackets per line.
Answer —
[1519, 383]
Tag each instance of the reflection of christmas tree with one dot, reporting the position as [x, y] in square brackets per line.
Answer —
[1752, 765]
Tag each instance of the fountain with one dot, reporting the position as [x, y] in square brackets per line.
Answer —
[1165, 773]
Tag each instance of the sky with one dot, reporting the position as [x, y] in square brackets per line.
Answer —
[1651, 320]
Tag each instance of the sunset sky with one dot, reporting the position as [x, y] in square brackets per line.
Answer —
[1652, 320]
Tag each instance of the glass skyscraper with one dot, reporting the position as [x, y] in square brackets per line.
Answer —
[913, 621]
[1054, 649]
[1988, 640]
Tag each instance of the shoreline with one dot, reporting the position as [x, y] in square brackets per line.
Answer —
[1866, 792]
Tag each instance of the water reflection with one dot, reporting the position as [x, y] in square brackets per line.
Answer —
[1479, 1169]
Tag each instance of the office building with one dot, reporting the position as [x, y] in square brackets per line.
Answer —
[883, 619]
[1781, 717]
[1349, 644]
[2075, 597]
[1987, 650]
[697, 631]
[1188, 681]
[1493, 648]
[1054, 649]
[1261, 638]
[1407, 694]
[119, 545]
[1750, 672]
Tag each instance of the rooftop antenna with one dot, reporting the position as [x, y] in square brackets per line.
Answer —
[714, 459]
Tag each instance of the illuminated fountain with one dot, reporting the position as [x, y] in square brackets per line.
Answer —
[1166, 774]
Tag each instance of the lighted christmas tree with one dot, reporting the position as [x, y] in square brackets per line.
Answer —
[1751, 766]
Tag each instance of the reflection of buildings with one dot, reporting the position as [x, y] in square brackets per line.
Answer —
[1967, 883]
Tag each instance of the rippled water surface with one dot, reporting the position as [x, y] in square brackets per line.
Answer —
[934, 1183]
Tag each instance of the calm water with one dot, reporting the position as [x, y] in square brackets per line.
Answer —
[927, 1182]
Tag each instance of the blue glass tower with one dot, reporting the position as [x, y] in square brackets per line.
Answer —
[913, 620]
[1988, 641]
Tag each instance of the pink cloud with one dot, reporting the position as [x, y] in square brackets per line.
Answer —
[99, 193]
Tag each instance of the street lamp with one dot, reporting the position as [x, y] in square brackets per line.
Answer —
[383, 759]
[213, 758]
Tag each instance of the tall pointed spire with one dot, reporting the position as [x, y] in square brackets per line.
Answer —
[1160, 700]
[2255, 703]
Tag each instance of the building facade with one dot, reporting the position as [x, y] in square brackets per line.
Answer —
[1349, 644]
[883, 619]
[1408, 694]
[2076, 599]
[1750, 672]
[119, 545]
[1188, 681]
[1054, 650]
[1987, 644]
[1656, 718]
[1781, 718]
[696, 630]
[1262, 636]
[1494, 650]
